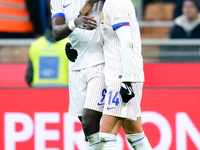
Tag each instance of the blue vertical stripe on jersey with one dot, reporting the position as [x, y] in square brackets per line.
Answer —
[119, 25]
[58, 14]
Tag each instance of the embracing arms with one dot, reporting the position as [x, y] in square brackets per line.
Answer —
[62, 30]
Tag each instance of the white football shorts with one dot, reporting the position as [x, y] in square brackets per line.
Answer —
[86, 89]
[114, 105]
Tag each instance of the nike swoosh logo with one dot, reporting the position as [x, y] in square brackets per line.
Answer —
[100, 104]
[108, 108]
[129, 91]
[64, 6]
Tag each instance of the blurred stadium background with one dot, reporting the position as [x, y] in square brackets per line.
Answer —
[37, 118]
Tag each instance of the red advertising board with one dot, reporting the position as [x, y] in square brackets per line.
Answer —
[38, 119]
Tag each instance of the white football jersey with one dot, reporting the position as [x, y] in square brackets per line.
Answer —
[89, 44]
[116, 13]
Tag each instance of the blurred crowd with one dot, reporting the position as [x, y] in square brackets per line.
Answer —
[23, 18]
[29, 19]
[187, 20]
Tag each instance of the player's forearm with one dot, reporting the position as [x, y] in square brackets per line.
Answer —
[126, 52]
[61, 31]
[60, 28]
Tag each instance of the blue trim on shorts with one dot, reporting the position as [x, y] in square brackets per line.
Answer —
[119, 25]
[110, 141]
[58, 14]
[95, 143]
[138, 140]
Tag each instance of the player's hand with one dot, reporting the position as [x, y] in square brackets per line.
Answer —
[126, 92]
[71, 53]
[86, 22]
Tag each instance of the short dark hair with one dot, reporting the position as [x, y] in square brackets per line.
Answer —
[196, 3]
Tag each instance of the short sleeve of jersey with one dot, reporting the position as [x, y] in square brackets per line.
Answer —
[56, 8]
[118, 14]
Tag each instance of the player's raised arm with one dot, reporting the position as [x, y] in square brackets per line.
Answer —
[62, 28]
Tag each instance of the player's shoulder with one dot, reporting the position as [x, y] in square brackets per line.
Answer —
[116, 5]
[56, 2]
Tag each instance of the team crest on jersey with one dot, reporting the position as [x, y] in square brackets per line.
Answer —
[102, 18]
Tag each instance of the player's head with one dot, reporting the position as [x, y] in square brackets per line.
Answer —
[191, 8]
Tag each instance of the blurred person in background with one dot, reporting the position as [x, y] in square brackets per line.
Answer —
[187, 26]
[15, 20]
[40, 16]
[48, 63]
[23, 18]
